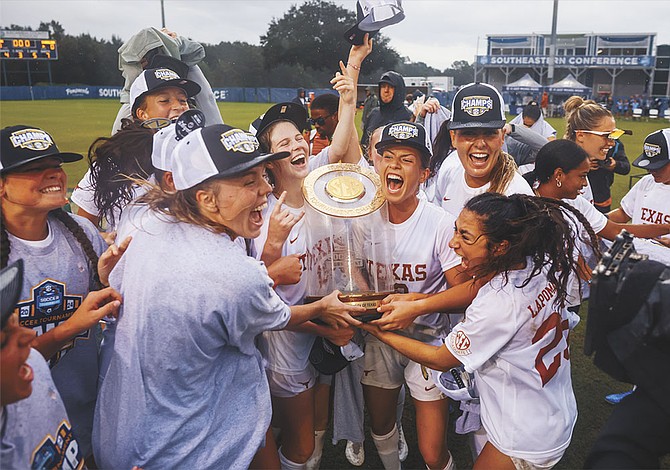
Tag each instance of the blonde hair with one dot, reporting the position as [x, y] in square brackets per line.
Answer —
[502, 173]
[183, 205]
[582, 114]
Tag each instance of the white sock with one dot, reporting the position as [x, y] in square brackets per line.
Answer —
[287, 464]
[450, 463]
[387, 447]
[315, 460]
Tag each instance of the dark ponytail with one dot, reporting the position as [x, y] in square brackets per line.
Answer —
[83, 241]
[534, 227]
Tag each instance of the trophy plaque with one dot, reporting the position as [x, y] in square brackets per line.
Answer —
[348, 240]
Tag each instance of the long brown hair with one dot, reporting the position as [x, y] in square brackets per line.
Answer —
[182, 206]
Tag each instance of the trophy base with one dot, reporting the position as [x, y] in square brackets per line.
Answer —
[369, 300]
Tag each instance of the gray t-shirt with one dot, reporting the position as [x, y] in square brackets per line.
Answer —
[56, 279]
[36, 432]
[185, 385]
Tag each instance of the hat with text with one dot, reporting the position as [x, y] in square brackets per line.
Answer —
[11, 283]
[152, 80]
[329, 359]
[655, 153]
[218, 150]
[165, 140]
[24, 144]
[289, 111]
[373, 15]
[477, 105]
[407, 134]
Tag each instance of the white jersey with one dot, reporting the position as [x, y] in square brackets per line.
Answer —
[421, 255]
[648, 202]
[515, 341]
[452, 192]
[598, 221]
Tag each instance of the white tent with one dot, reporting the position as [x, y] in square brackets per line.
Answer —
[569, 86]
[525, 83]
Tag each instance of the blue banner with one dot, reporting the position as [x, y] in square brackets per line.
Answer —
[233, 94]
[601, 61]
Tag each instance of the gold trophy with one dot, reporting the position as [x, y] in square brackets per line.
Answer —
[348, 241]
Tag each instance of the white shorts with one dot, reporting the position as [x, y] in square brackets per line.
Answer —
[287, 386]
[384, 367]
[521, 464]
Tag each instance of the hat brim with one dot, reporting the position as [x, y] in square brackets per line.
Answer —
[65, 157]
[190, 88]
[248, 165]
[294, 113]
[425, 151]
[647, 163]
[477, 125]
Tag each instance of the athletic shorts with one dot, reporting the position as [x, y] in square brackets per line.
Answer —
[287, 386]
[384, 367]
[521, 464]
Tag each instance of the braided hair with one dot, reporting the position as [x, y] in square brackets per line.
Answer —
[115, 162]
[535, 227]
[76, 231]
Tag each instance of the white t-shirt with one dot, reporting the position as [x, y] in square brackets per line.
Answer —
[515, 341]
[422, 254]
[452, 192]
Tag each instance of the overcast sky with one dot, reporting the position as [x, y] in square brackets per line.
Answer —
[437, 32]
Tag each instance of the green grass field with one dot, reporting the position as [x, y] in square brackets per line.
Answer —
[76, 123]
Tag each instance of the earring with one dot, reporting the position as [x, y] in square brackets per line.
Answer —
[558, 183]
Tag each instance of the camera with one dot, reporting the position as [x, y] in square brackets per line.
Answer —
[628, 325]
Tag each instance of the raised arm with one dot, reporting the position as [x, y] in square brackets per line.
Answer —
[344, 146]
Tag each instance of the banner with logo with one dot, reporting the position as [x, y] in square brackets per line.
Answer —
[611, 61]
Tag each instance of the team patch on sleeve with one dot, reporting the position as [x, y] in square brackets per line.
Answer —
[60, 452]
[460, 343]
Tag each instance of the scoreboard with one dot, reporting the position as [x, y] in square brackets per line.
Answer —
[28, 49]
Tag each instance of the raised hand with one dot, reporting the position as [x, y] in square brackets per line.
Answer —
[109, 258]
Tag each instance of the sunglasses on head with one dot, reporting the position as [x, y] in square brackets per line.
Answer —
[318, 121]
[157, 123]
[612, 135]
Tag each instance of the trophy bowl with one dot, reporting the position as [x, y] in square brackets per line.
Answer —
[348, 241]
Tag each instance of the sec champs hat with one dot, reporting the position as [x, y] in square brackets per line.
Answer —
[24, 144]
[11, 282]
[408, 134]
[477, 105]
[218, 150]
[165, 140]
[154, 79]
[328, 358]
[656, 151]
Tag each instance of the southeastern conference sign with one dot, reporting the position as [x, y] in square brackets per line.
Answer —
[643, 61]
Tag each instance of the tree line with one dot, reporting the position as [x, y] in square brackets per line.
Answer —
[290, 54]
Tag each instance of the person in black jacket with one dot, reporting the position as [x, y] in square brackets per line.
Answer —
[391, 105]
[602, 178]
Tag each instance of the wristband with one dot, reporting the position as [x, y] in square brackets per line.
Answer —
[354, 66]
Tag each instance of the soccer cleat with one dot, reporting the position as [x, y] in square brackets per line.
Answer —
[355, 453]
[615, 398]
